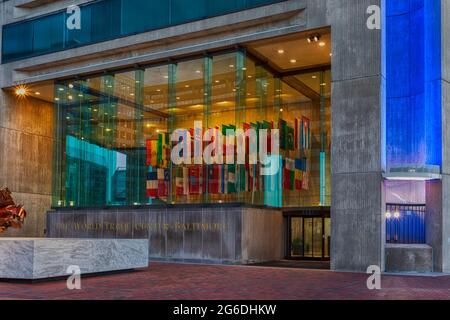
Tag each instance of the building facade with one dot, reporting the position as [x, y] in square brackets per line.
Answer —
[92, 92]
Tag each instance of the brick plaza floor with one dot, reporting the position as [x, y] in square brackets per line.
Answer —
[183, 281]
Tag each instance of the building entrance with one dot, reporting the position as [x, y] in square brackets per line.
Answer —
[309, 235]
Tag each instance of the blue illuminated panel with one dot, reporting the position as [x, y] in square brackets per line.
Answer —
[412, 43]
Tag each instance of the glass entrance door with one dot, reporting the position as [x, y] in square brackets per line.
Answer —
[309, 238]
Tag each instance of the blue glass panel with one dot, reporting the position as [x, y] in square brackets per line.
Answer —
[413, 91]
[17, 41]
[108, 19]
[142, 15]
[48, 33]
[183, 10]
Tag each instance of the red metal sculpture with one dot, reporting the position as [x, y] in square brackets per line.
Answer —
[11, 216]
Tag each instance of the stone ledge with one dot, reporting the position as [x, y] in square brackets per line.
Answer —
[409, 258]
[41, 258]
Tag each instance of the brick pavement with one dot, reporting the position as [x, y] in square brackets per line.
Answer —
[183, 281]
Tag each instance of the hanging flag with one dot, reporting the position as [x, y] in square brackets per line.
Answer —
[283, 134]
[152, 153]
[194, 180]
[213, 179]
[306, 134]
[231, 188]
[305, 184]
[290, 138]
[152, 184]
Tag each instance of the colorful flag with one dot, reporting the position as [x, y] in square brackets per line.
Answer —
[231, 182]
[305, 134]
[194, 180]
[152, 184]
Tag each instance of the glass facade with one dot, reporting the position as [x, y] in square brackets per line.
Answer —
[112, 144]
[108, 19]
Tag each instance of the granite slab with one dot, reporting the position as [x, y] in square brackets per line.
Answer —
[41, 258]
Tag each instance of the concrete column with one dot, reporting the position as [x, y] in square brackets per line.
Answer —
[357, 199]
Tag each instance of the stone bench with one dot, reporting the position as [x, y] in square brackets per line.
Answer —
[41, 258]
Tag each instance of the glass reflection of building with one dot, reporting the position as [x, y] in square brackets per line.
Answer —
[112, 134]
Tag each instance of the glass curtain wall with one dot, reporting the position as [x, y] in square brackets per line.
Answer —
[113, 146]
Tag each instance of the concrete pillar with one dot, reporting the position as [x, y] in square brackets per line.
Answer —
[357, 199]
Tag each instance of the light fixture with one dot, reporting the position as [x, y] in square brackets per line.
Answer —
[397, 214]
[70, 86]
[314, 38]
[293, 61]
[322, 44]
[56, 99]
[331, 54]
[61, 89]
[186, 86]
[281, 110]
[37, 93]
[132, 94]
[388, 215]
[217, 81]
[314, 77]
[280, 51]
[166, 77]
[80, 95]
[70, 97]
[198, 71]
[231, 65]
[158, 90]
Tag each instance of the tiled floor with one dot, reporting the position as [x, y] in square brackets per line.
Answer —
[182, 281]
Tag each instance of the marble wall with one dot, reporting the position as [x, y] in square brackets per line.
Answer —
[225, 234]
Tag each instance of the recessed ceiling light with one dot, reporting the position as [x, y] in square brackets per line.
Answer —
[198, 71]
[314, 77]
[132, 94]
[61, 89]
[56, 99]
[158, 90]
[37, 93]
[280, 51]
[186, 86]
[70, 85]
[217, 81]
[166, 77]
[281, 110]
[231, 65]
[322, 44]
[293, 61]
[244, 68]
[21, 91]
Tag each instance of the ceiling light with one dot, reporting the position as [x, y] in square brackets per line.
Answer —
[70, 97]
[280, 51]
[56, 99]
[37, 93]
[70, 86]
[61, 89]
[244, 68]
[198, 71]
[186, 86]
[158, 90]
[314, 77]
[293, 61]
[388, 215]
[322, 44]
[217, 81]
[231, 65]
[281, 110]
[331, 54]
[166, 77]
[132, 94]
[396, 215]
[80, 95]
